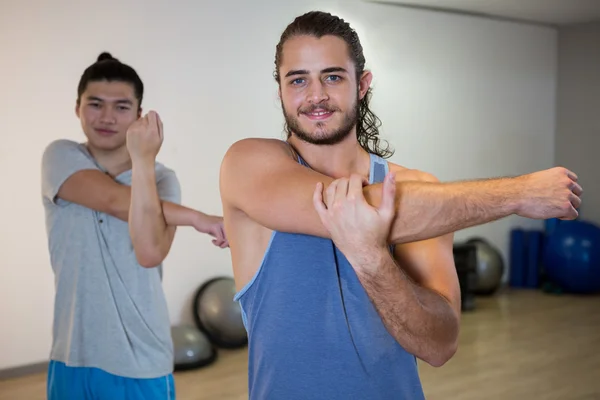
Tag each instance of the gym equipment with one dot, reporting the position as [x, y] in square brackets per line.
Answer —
[465, 260]
[518, 264]
[525, 258]
[192, 348]
[572, 257]
[218, 315]
[489, 267]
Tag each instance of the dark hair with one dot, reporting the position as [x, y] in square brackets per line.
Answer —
[318, 24]
[108, 68]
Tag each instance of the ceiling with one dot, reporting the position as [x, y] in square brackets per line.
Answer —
[545, 12]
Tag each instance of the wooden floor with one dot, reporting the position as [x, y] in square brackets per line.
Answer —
[516, 345]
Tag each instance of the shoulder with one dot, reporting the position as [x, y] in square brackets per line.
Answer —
[162, 169]
[247, 156]
[62, 145]
[64, 154]
[164, 173]
[408, 174]
[257, 147]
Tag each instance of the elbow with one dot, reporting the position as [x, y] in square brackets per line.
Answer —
[442, 355]
[149, 259]
[150, 253]
[443, 349]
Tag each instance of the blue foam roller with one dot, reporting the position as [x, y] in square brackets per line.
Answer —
[517, 258]
[550, 225]
[534, 255]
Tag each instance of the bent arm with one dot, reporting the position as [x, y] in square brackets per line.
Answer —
[151, 236]
[261, 178]
[418, 300]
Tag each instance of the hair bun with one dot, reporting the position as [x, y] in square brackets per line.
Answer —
[105, 56]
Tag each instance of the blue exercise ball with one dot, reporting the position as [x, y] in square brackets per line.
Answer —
[572, 256]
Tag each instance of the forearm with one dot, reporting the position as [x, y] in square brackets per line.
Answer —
[147, 224]
[426, 210]
[422, 321]
[174, 214]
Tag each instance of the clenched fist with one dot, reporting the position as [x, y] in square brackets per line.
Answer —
[145, 136]
[552, 193]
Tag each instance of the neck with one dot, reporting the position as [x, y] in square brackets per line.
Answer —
[336, 161]
[115, 161]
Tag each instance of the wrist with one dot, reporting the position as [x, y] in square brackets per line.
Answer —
[517, 198]
[199, 221]
[369, 259]
[143, 161]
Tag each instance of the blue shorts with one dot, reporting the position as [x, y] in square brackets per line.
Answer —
[66, 383]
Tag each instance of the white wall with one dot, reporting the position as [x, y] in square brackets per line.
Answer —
[578, 126]
[459, 97]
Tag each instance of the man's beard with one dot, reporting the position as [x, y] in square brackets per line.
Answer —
[325, 137]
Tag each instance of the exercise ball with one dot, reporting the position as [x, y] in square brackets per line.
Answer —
[489, 267]
[218, 315]
[572, 257]
[192, 348]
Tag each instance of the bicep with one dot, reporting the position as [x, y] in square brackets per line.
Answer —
[261, 179]
[430, 264]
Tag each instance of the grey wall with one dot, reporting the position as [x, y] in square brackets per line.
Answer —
[578, 111]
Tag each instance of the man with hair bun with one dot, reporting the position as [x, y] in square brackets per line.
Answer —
[111, 214]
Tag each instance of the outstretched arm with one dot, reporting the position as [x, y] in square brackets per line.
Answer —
[261, 178]
[70, 175]
[95, 190]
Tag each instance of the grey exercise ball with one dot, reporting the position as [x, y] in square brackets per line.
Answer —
[192, 348]
[490, 267]
[218, 315]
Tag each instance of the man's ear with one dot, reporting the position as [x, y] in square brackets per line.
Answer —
[364, 83]
[77, 104]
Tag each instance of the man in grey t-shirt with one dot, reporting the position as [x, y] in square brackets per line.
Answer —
[111, 214]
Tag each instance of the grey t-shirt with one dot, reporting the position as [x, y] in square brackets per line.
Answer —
[109, 312]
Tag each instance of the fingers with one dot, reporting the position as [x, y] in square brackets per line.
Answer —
[220, 243]
[151, 117]
[341, 191]
[330, 193]
[220, 238]
[153, 121]
[576, 189]
[572, 214]
[388, 200]
[575, 200]
[318, 200]
[355, 186]
[160, 127]
[572, 176]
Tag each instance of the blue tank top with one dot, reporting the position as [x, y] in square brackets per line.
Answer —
[313, 332]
